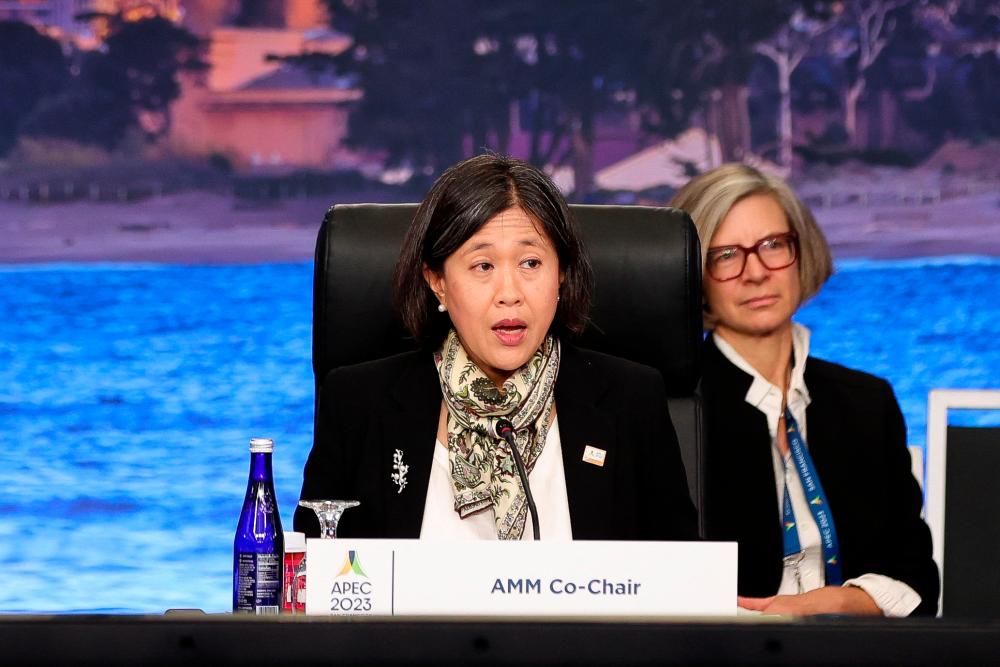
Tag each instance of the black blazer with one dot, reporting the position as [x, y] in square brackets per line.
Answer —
[857, 439]
[371, 409]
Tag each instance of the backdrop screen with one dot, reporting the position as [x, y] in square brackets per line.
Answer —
[164, 170]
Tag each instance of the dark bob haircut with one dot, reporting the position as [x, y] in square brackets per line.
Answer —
[463, 199]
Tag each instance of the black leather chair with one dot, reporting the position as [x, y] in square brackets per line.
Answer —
[971, 582]
[647, 298]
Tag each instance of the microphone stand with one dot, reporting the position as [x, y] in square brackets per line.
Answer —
[505, 430]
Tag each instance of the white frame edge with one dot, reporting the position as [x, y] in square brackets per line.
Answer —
[939, 401]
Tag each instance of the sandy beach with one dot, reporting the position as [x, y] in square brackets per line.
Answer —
[967, 226]
[205, 228]
[191, 228]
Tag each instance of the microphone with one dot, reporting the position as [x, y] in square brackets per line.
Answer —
[504, 429]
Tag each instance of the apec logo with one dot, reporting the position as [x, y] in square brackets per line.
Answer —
[351, 590]
[597, 587]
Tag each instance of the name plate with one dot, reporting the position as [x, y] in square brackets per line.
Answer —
[585, 578]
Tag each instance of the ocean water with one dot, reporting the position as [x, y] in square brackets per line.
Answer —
[128, 394]
[922, 324]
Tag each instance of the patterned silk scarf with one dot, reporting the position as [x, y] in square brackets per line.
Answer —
[483, 472]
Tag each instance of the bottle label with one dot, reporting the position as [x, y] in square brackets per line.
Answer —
[300, 594]
[294, 581]
[258, 583]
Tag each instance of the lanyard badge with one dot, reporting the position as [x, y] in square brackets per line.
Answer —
[818, 506]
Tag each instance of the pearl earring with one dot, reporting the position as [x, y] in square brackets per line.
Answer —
[442, 307]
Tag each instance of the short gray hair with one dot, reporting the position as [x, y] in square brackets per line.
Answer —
[708, 198]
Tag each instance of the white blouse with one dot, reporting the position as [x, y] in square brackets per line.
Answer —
[892, 596]
[547, 480]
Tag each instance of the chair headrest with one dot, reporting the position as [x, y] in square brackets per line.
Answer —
[647, 293]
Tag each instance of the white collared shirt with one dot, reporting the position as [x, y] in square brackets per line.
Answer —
[548, 487]
[893, 597]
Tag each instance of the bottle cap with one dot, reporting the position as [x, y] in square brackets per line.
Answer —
[261, 445]
[295, 541]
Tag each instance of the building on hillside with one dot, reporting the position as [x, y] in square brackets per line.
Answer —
[672, 163]
[669, 163]
[258, 111]
[203, 16]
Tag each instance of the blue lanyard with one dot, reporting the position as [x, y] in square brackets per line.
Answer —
[817, 505]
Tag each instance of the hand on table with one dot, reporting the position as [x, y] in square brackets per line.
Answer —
[827, 600]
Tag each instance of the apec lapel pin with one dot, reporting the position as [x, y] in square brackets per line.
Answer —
[594, 456]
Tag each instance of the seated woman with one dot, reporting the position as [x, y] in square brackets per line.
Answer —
[832, 526]
[492, 280]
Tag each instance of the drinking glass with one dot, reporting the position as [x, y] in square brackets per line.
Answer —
[328, 512]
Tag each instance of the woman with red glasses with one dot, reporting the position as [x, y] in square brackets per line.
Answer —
[806, 465]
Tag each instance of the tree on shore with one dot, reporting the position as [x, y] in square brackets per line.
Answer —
[440, 78]
[32, 67]
[959, 93]
[575, 60]
[128, 84]
[429, 77]
[786, 48]
[698, 64]
[868, 28]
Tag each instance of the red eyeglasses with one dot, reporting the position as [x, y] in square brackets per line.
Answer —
[775, 252]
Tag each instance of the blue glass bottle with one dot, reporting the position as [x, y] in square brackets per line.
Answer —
[259, 543]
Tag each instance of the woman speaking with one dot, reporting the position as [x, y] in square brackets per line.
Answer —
[492, 280]
[806, 461]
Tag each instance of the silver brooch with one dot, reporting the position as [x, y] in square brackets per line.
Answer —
[399, 477]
